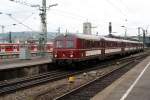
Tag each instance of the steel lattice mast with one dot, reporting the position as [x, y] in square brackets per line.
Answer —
[43, 35]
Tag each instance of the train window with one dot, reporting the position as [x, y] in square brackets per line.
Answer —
[91, 44]
[69, 44]
[59, 44]
[83, 44]
[8, 47]
[87, 46]
[111, 44]
[100, 44]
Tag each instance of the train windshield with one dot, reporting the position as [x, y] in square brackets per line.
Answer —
[69, 44]
[64, 44]
[59, 44]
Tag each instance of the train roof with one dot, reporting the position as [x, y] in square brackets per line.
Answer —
[95, 37]
[120, 40]
[81, 36]
[89, 37]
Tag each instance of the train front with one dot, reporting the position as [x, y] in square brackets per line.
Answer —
[65, 49]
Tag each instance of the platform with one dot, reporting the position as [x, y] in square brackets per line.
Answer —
[17, 63]
[134, 85]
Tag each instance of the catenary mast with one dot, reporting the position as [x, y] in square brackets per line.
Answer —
[43, 35]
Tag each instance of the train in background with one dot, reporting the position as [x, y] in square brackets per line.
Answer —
[70, 48]
[14, 48]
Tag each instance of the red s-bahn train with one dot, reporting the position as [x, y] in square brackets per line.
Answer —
[79, 47]
[14, 48]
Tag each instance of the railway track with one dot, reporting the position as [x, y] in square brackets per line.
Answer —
[12, 86]
[7, 87]
[88, 90]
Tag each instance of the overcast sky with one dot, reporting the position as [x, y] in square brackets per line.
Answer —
[70, 14]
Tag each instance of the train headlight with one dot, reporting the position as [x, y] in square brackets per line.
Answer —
[71, 55]
[55, 55]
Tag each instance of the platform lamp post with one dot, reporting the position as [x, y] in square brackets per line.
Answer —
[10, 35]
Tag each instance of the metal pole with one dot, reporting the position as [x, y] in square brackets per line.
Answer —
[10, 37]
[110, 28]
[43, 35]
[44, 21]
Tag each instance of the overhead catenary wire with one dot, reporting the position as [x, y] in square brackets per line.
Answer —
[126, 7]
[19, 22]
[120, 10]
[22, 2]
[74, 16]
[25, 19]
[116, 7]
[69, 15]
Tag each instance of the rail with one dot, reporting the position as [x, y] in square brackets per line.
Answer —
[88, 90]
[7, 87]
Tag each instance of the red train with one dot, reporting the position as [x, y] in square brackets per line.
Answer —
[78, 47]
[13, 48]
